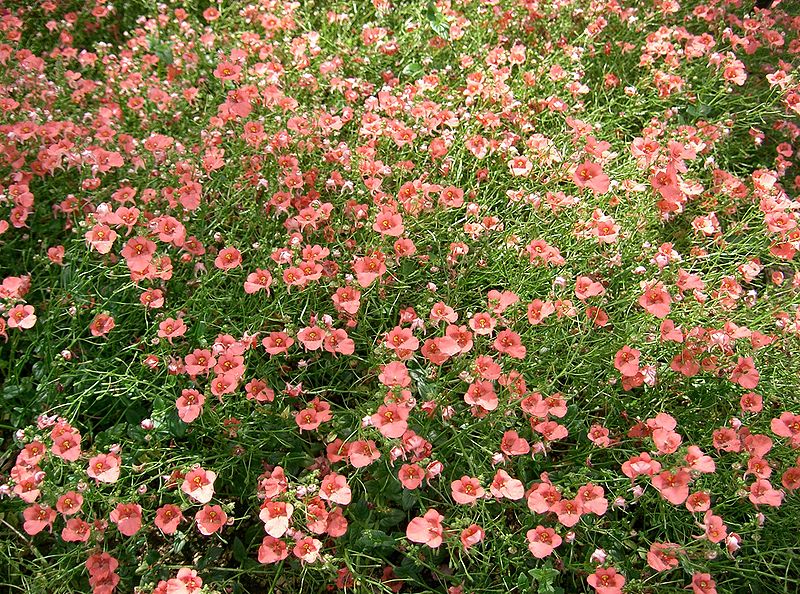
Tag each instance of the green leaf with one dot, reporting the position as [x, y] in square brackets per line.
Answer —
[391, 517]
[239, 550]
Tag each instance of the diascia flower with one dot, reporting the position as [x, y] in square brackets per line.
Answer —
[542, 541]
[168, 517]
[171, 328]
[272, 550]
[427, 529]
[210, 519]
[590, 175]
[22, 317]
[128, 518]
[466, 490]
[189, 405]
[606, 581]
[472, 535]
[228, 258]
[199, 484]
[334, 488]
[37, 518]
[104, 468]
[276, 515]
[307, 549]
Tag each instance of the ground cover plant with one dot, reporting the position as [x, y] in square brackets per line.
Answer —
[466, 296]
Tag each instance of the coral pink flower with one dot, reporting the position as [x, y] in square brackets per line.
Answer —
[189, 405]
[210, 519]
[76, 530]
[504, 486]
[171, 328]
[22, 317]
[510, 343]
[337, 341]
[311, 338]
[698, 502]
[395, 374]
[401, 339]
[277, 343]
[101, 325]
[37, 518]
[69, 503]
[663, 556]
[697, 460]
[482, 323]
[362, 453]
[389, 223]
[627, 361]
[198, 484]
[606, 581]
[257, 281]
[703, 584]
[104, 468]
[391, 420]
[228, 258]
[347, 300]
[591, 499]
[674, 487]
[762, 493]
[228, 71]
[272, 550]
[656, 300]
[101, 238]
[542, 541]
[514, 445]
[639, 465]
[307, 549]
[590, 175]
[334, 488]
[168, 517]
[427, 529]
[569, 511]
[466, 490]
[716, 530]
[67, 446]
[127, 517]
[745, 373]
[276, 516]
[368, 268]
[481, 393]
[452, 197]
[471, 535]
[411, 476]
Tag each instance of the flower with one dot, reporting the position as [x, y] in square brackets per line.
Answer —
[228, 258]
[210, 519]
[198, 484]
[128, 518]
[542, 541]
[307, 549]
[471, 535]
[22, 317]
[427, 529]
[272, 550]
[168, 517]
[276, 515]
[37, 517]
[466, 490]
[590, 175]
[104, 468]
[606, 581]
[69, 503]
[189, 405]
